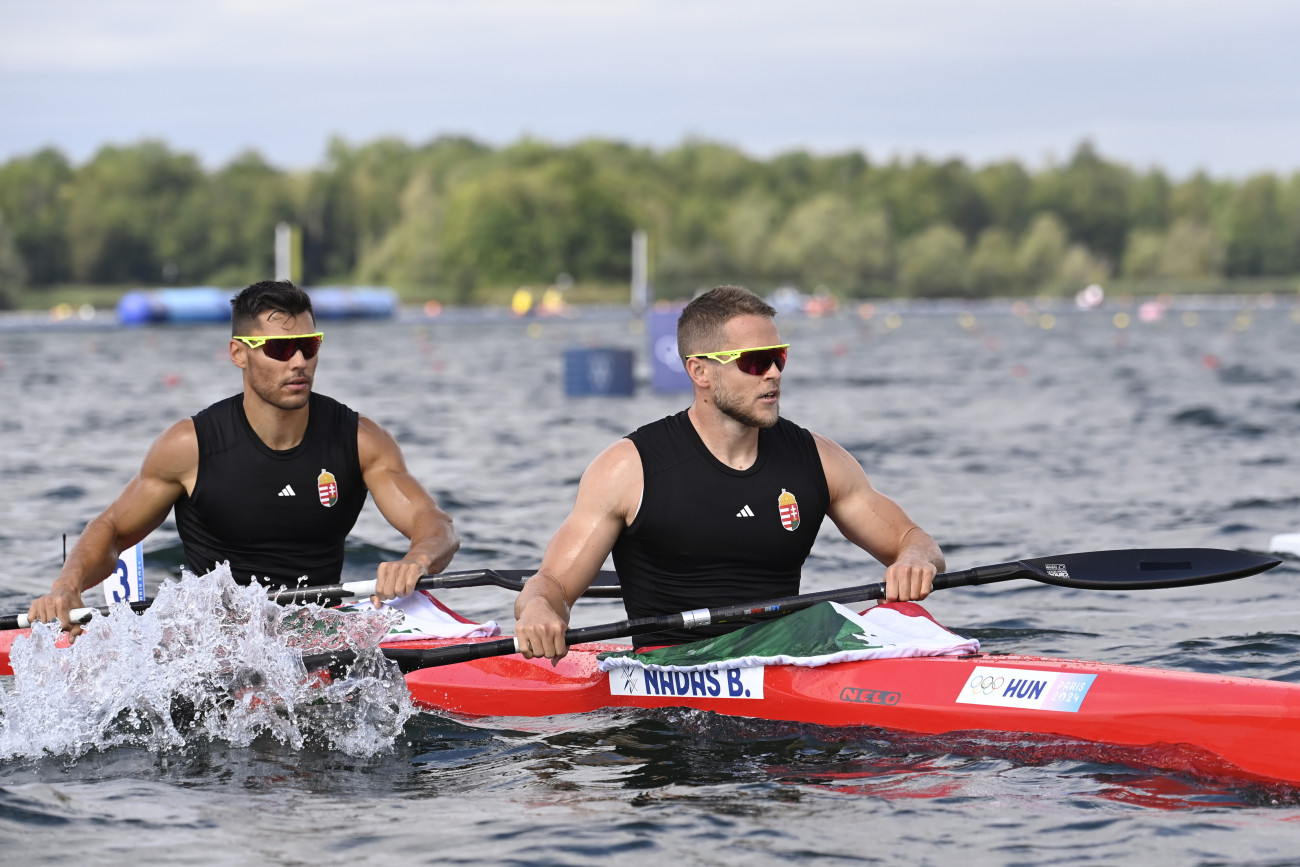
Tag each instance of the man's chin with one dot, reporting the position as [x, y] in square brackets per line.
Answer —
[752, 418]
[290, 402]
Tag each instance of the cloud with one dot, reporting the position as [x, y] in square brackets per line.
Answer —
[764, 75]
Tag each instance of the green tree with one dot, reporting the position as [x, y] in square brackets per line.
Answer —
[224, 233]
[1079, 268]
[1091, 197]
[991, 269]
[1191, 249]
[827, 241]
[13, 273]
[529, 225]
[410, 255]
[1256, 233]
[923, 193]
[747, 230]
[1040, 252]
[1006, 189]
[122, 199]
[1149, 201]
[34, 192]
[1143, 253]
[932, 263]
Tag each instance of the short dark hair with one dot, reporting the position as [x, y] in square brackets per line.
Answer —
[278, 295]
[700, 327]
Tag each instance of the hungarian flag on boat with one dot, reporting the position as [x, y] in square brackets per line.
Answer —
[826, 632]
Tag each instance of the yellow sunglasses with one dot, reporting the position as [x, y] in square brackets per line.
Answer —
[754, 361]
[281, 347]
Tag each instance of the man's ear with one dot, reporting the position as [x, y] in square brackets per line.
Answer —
[238, 353]
[697, 370]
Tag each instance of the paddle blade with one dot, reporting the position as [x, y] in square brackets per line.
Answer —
[1146, 568]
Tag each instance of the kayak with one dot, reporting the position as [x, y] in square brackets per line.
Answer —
[1207, 725]
[1202, 724]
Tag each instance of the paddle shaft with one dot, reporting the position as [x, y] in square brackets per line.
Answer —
[606, 584]
[1137, 569]
[79, 615]
[411, 659]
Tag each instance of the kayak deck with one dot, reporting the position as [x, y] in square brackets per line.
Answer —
[1182, 721]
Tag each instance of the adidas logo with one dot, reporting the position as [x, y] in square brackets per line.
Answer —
[287, 491]
[746, 512]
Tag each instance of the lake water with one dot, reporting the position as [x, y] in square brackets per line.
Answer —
[1006, 432]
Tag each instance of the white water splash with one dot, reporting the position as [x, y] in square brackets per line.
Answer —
[209, 659]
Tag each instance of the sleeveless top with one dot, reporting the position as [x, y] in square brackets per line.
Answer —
[707, 535]
[277, 515]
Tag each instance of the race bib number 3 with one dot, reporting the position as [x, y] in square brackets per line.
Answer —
[126, 584]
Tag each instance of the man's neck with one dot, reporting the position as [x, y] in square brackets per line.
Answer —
[279, 429]
[732, 442]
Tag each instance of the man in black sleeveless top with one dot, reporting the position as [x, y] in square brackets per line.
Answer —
[720, 503]
[271, 480]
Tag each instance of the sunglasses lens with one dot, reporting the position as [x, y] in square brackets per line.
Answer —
[283, 349]
[756, 363]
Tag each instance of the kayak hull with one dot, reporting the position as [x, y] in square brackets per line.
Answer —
[1182, 721]
[1210, 725]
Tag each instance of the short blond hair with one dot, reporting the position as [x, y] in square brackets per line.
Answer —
[700, 327]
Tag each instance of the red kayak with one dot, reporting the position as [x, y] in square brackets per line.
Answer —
[1178, 721]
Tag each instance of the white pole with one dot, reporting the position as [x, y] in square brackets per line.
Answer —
[640, 283]
[283, 251]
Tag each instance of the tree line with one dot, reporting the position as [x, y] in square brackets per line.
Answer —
[454, 218]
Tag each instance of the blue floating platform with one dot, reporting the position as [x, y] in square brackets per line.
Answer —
[210, 304]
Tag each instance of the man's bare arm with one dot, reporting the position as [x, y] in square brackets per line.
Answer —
[404, 502]
[168, 472]
[877, 524]
[608, 496]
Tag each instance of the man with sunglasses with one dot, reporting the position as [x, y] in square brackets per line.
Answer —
[271, 479]
[719, 504]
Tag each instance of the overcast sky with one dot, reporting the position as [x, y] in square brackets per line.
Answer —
[1180, 84]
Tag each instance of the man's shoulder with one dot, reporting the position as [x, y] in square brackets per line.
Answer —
[786, 430]
[225, 405]
[667, 424]
[175, 452]
[325, 402]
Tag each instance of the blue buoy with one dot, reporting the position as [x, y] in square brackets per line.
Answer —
[599, 371]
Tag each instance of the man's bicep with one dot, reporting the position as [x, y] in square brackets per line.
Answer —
[167, 474]
[607, 494]
[866, 517]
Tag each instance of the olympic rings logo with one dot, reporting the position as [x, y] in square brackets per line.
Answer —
[986, 684]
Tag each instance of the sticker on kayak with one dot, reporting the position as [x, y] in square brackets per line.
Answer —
[726, 683]
[1025, 688]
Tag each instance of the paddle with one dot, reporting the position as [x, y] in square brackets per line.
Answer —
[1134, 569]
[605, 585]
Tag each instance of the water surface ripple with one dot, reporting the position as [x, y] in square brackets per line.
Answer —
[1004, 438]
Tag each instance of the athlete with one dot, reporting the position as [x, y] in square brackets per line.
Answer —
[271, 480]
[719, 504]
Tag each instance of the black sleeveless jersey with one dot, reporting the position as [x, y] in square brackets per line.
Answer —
[277, 515]
[707, 535]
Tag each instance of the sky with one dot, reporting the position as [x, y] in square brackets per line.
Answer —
[1182, 85]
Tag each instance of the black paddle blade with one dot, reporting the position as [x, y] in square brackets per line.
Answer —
[1146, 569]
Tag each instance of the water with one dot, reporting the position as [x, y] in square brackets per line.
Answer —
[1002, 437]
[209, 660]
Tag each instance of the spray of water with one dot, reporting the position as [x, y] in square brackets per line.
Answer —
[209, 659]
